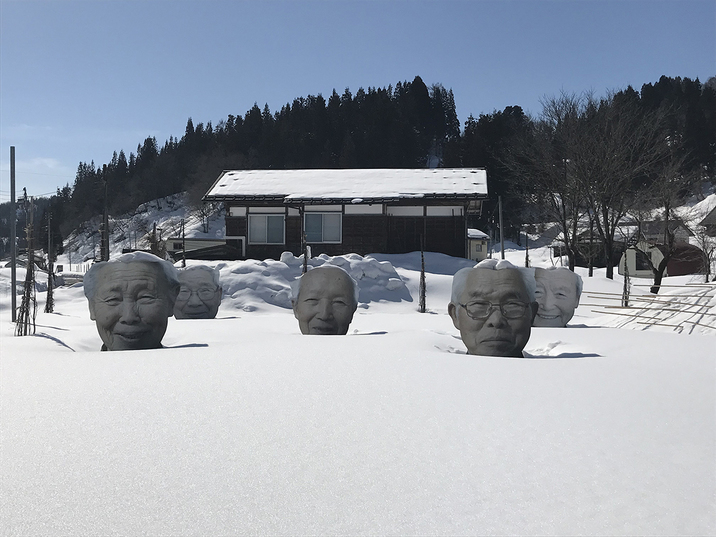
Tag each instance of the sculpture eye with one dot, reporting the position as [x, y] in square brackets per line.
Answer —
[146, 298]
[112, 300]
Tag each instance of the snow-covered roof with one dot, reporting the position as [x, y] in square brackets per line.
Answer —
[476, 234]
[350, 186]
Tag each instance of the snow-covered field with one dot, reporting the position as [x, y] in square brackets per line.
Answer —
[243, 425]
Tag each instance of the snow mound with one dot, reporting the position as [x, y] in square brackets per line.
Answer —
[251, 285]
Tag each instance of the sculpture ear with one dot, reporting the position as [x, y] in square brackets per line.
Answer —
[452, 311]
[91, 308]
[293, 307]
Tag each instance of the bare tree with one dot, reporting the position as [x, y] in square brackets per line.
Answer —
[616, 145]
[542, 162]
[662, 195]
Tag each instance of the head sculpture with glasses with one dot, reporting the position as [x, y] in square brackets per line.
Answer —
[558, 291]
[324, 300]
[200, 293]
[493, 305]
[131, 299]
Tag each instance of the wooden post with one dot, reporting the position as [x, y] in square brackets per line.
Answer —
[422, 305]
[28, 307]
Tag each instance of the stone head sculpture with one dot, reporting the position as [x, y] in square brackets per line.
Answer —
[493, 305]
[324, 300]
[131, 299]
[557, 293]
[200, 293]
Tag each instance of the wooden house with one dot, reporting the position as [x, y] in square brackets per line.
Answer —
[349, 210]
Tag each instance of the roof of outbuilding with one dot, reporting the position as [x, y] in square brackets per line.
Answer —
[709, 219]
[349, 186]
[476, 234]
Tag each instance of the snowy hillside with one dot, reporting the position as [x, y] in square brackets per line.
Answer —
[243, 425]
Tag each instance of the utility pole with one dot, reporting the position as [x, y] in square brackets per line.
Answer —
[502, 235]
[183, 245]
[104, 240]
[50, 302]
[13, 236]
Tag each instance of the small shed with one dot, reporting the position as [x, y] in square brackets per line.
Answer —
[349, 210]
[478, 243]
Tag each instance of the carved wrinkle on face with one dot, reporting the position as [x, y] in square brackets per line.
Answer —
[494, 335]
[131, 306]
[199, 297]
[556, 294]
[325, 304]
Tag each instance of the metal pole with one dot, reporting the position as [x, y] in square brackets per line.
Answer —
[502, 235]
[13, 237]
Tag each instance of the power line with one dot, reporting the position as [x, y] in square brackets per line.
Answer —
[36, 173]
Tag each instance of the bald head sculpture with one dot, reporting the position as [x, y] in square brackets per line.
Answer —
[131, 299]
[492, 305]
[557, 293]
[324, 300]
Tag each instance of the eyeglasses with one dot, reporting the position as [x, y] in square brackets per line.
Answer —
[482, 310]
[204, 293]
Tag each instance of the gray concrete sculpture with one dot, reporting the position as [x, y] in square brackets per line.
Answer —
[200, 293]
[557, 293]
[493, 305]
[131, 299]
[324, 301]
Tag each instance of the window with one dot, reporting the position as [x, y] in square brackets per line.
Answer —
[266, 229]
[322, 227]
[642, 262]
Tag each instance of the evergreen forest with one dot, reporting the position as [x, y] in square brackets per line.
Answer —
[409, 125]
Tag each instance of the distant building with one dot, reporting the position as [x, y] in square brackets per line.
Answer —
[478, 243]
[686, 259]
[653, 231]
[349, 211]
[200, 248]
[709, 222]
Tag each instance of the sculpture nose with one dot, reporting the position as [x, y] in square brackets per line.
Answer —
[325, 309]
[495, 318]
[129, 312]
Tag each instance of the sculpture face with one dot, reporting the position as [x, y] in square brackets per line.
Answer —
[495, 334]
[199, 297]
[556, 294]
[325, 304]
[131, 305]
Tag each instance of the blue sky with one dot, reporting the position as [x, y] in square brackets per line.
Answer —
[80, 79]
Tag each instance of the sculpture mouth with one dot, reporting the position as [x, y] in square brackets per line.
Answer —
[548, 317]
[131, 337]
[323, 330]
